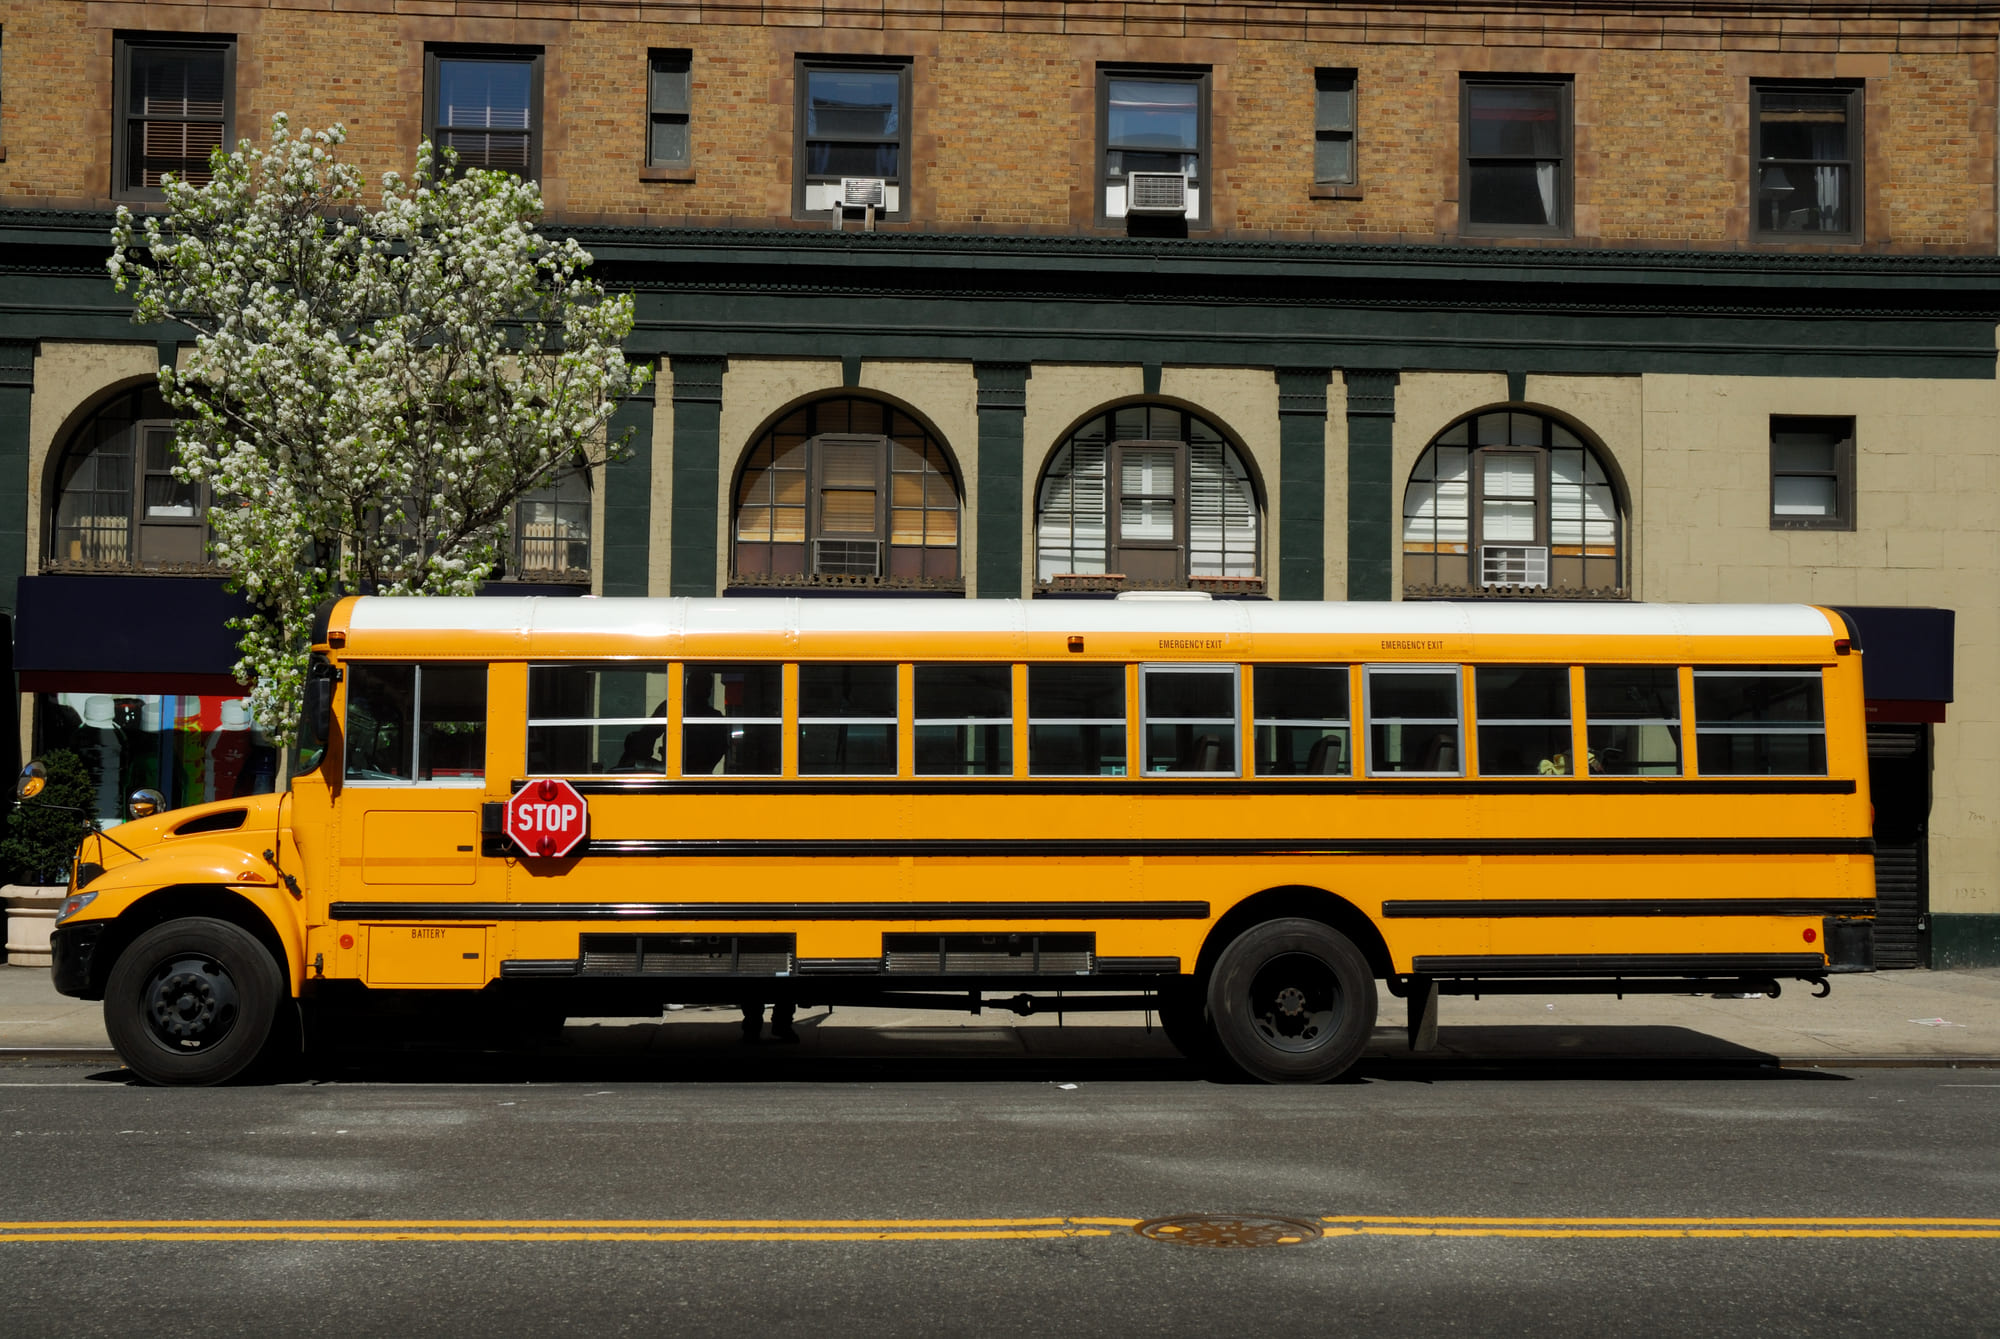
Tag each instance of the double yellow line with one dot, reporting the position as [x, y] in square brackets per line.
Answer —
[563, 1229]
[1363, 1225]
[938, 1229]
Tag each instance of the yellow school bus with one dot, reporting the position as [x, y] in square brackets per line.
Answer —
[1241, 814]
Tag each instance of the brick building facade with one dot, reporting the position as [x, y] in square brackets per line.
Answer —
[1529, 303]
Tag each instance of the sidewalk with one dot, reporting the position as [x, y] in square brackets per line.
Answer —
[1900, 1018]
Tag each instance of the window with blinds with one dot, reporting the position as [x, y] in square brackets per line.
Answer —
[485, 105]
[176, 106]
[1511, 503]
[1147, 495]
[847, 491]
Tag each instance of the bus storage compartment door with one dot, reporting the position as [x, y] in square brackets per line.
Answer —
[433, 846]
[426, 955]
[1850, 944]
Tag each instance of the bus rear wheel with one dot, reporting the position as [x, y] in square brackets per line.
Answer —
[192, 1002]
[1292, 1001]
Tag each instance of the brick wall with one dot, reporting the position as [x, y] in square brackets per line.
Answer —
[1005, 96]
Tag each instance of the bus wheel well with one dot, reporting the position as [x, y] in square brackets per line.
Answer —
[176, 903]
[1307, 903]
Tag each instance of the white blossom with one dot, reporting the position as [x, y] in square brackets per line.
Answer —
[370, 391]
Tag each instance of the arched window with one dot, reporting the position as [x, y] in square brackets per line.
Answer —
[116, 500]
[1147, 495]
[551, 539]
[847, 491]
[1511, 503]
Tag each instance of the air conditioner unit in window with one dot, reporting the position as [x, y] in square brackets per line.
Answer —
[1156, 192]
[862, 192]
[1524, 565]
[847, 557]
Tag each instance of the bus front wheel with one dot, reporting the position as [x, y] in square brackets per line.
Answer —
[1292, 1001]
[192, 1002]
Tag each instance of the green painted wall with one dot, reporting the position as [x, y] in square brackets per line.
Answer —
[1301, 500]
[628, 498]
[17, 384]
[697, 465]
[1964, 940]
[1371, 492]
[1002, 407]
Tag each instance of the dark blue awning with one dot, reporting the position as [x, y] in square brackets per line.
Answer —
[1906, 659]
[126, 634]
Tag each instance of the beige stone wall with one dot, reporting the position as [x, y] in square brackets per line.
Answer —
[660, 516]
[754, 392]
[1334, 538]
[70, 381]
[1060, 396]
[946, 396]
[1927, 509]
[1426, 404]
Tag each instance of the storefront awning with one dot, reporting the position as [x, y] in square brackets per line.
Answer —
[126, 634]
[1906, 660]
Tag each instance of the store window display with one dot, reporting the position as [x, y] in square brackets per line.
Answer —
[190, 747]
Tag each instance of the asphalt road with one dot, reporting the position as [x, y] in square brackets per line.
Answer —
[762, 1196]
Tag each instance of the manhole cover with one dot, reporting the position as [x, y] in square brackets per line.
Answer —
[1218, 1229]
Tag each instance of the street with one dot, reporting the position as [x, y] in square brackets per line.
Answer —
[931, 1193]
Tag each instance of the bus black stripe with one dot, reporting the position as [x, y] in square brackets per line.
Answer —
[803, 787]
[769, 911]
[1618, 964]
[1236, 847]
[1473, 909]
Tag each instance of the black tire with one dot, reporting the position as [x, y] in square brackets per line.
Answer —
[1292, 1001]
[192, 1002]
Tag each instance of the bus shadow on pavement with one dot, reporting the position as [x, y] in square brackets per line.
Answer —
[712, 1052]
[1529, 1051]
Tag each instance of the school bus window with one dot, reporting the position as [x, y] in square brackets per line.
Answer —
[1633, 714]
[1302, 722]
[416, 723]
[1524, 723]
[1759, 722]
[1413, 723]
[589, 718]
[732, 720]
[847, 720]
[965, 720]
[1076, 720]
[1189, 713]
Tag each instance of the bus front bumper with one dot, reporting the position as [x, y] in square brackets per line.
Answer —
[71, 951]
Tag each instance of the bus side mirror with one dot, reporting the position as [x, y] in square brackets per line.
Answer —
[33, 778]
[317, 722]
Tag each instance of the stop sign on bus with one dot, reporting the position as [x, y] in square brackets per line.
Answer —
[547, 818]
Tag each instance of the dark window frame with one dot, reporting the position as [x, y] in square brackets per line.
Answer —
[1347, 187]
[1202, 77]
[1855, 91]
[531, 56]
[670, 62]
[1565, 226]
[123, 45]
[903, 67]
[84, 442]
[1842, 472]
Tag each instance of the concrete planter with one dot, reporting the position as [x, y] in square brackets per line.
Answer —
[31, 915]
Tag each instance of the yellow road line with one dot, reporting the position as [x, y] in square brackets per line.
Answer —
[525, 1224]
[1022, 1234]
[944, 1229]
[1385, 1226]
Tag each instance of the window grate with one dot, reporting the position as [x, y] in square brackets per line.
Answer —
[1156, 193]
[847, 557]
[1524, 565]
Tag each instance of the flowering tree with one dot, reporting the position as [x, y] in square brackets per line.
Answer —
[371, 390]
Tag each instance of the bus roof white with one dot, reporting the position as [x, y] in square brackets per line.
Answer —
[672, 617]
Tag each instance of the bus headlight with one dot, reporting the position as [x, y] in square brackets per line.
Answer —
[72, 904]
